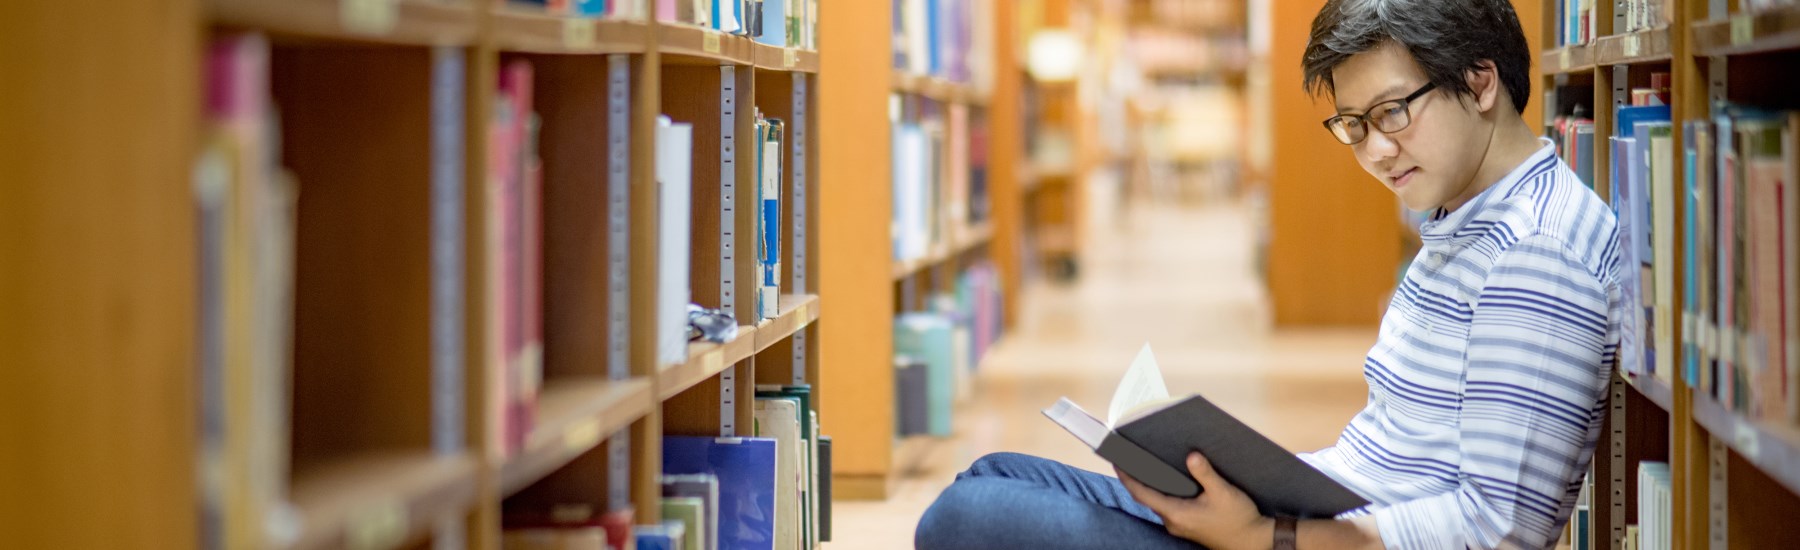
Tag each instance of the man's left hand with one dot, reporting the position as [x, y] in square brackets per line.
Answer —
[1221, 518]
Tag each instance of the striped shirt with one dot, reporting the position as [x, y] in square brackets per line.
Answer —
[1487, 379]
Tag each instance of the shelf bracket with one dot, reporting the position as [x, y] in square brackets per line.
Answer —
[618, 212]
[727, 238]
[1616, 454]
[797, 143]
[447, 287]
[1717, 492]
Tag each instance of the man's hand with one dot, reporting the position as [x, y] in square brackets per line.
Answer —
[1221, 518]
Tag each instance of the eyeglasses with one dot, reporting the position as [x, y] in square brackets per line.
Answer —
[1387, 116]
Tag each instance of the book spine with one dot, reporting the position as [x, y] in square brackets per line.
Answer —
[447, 265]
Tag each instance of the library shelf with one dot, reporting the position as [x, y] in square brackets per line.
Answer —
[960, 242]
[690, 45]
[937, 89]
[1646, 46]
[777, 58]
[796, 312]
[1772, 448]
[1770, 31]
[1566, 60]
[400, 22]
[574, 415]
[379, 499]
[1655, 389]
[705, 360]
[522, 29]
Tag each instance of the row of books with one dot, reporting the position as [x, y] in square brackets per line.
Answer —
[948, 39]
[1655, 512]
[1738, 304]
[936, 352]
[514, 260]
[1574, 138]
[785, 23]
[1577, 21]
[246, 221]
[940, 177]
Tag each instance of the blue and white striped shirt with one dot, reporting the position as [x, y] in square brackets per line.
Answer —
[1486, 383]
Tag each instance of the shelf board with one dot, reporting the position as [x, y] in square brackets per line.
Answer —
[961, 241]
[777, 58]
[574, 415]
[524, 29]
[705, 360]
[796, 312]
[404, 22]
[1772, 448]
[1566, 60]
[1647, 46]
[690, 45]
[937, 89]
[1653, 388]
[380, 499]
[1773, 30]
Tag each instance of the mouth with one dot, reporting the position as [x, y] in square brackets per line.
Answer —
[1400, 179]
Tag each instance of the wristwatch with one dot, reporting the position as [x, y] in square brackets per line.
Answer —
[1286, 533]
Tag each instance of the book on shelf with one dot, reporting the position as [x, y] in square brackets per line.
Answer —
[1639, 205]
[1655, 507]
[690, 512]
[811, 472]
[779, 419]
[674, 166]
[621, 9]
[1659, 169]
[514, 257]
[246, 208]
[1148, 436]
[747, 472]
[448, 246]
[824, 498]
[685, 490]
[565, 526]
[930, 338]
[1574, 139]
[947, 39]
[1631, 222]
[667, 535]
[768, 141]
[912, 408]
[910, 231]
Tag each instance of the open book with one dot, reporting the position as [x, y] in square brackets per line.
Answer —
[1148, 436]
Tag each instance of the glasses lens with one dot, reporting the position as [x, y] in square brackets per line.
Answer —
[1348, 130]
[1390, 117]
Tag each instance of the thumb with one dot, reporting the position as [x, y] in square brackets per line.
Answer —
[1204, 473]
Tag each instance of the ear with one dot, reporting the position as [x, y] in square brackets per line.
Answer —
[1484, 80]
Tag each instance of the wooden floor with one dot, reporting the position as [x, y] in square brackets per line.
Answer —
[1181, 279]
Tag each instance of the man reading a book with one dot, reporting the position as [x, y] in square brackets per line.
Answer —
[1487, 377]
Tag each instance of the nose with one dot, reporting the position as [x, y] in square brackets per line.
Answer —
[1378, 147]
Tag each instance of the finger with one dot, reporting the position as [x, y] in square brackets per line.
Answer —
[1204, 473]
[1144, 494]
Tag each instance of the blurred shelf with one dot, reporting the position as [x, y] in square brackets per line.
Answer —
[912, 453]
[380, 500]
[961, 241]
[523, 29]
[796, 312]
[1647, 46]
[938, 89]
[689, 45]
[404, 22]
[705, 360]
[574, 415]
[777, 58]
[1773, 30]
[1772, 448]
[1655, 389]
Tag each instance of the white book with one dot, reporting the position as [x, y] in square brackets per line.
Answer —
[779, 419]
[674, 166]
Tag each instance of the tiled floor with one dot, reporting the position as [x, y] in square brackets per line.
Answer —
[1180, 279]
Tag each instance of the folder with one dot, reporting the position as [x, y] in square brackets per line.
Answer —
[746, 469]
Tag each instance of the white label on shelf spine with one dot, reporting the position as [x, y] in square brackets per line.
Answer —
[371, 17]
[727, 230]
[788, 58]
[1745, 438]
[710, 42]
[1564, 63]
[582, 436]
[1743, 29]
[1632, 46]
[379, 525]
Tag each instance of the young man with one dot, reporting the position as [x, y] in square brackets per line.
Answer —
[1487, 378]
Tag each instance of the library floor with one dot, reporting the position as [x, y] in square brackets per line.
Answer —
[1180, 278]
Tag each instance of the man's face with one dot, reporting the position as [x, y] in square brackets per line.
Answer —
[1432, 161]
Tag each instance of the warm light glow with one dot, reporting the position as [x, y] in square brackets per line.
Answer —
[1054, 56]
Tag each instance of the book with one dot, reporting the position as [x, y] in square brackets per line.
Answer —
[930, 338]
[447, 247]
[674, 165]
[1763, 174]
[801, 396]
[514, 262]
[1655, 506]
[1659, 169]
[705, 488]
[1148, 436]
[768, 221]
[1625, 201]
[662, 536]
[746, 470]
[912, 414]
[779, 419]
[691, 513]
[824, 499]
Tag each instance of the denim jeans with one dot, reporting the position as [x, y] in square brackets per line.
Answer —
[1010, 500]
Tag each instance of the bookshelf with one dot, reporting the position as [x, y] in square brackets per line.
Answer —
[384, 427]
[1735, 467]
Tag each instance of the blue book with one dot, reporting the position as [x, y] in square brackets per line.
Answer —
[773, 30]
[745, 467]
[658, 537]
[934, 37]
[930, 338]
[1624, 201]
[768, 195]
[1690, 261]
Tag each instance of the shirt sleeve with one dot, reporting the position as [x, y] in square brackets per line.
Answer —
[1535, 372]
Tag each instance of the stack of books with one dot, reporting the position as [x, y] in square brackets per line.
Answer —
[783, 23]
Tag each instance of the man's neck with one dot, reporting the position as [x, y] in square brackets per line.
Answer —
[1509, 144]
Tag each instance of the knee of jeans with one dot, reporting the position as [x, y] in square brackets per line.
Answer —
[999, 464]
[953, 518]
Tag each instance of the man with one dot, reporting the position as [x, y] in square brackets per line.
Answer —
[1487, 377]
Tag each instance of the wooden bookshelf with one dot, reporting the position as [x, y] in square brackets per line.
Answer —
[1732, 473]
[380, 499]
[962, 241]
[385, 108]
[403, 22]
[938, 89]
[522, 29]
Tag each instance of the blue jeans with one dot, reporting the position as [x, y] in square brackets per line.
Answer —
[1010, 500]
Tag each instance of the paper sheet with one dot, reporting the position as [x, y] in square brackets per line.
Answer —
[1143, 383]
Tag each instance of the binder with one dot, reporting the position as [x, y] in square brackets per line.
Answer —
[746, 470]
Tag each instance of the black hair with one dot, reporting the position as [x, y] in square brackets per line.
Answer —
[1447, 38]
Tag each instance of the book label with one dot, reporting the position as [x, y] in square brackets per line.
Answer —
[1631, 45]
[788, 58]
[711, 42]
[380, 525]
[583, 436]
[1743, 29]
[578, 34]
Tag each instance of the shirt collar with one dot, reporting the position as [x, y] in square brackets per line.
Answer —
[1443, 227]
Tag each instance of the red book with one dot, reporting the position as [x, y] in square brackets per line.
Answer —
[516, 202]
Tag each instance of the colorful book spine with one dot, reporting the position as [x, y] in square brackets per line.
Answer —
[769, 154]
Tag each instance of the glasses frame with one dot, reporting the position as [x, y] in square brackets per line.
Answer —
[1405, 105]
